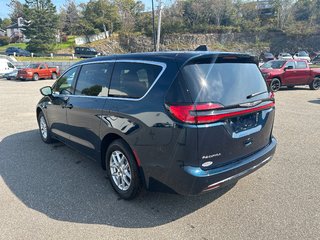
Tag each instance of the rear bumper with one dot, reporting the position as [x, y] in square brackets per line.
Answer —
[193, 180]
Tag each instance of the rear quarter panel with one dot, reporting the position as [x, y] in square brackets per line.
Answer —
[315, 72]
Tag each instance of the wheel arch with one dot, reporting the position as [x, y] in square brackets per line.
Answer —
[105, 143]
[278, 77]
[38, 111]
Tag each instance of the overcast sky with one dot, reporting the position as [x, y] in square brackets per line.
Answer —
[4, 10]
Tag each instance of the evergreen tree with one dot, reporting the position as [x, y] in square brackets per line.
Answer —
[5, 23]
[43, 23]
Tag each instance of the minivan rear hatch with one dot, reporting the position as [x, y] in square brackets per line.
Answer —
[230, 106]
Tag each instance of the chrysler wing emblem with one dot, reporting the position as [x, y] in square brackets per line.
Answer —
[250, 104]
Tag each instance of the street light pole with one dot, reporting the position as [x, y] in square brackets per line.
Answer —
[159, 26]
[153, 28]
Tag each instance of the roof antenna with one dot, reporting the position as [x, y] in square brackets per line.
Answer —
[202, 48]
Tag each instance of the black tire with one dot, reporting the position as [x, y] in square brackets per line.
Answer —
[315, 84]
[35, 77]
[44, 130]
[275, 85]
[54, 76]
[120, 172]
[291, 87]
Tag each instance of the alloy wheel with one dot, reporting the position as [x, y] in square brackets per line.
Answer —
[43, 127]
[120, 170]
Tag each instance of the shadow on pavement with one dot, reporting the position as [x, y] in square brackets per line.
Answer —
[316, 101]
[296, 88]
[64, 185]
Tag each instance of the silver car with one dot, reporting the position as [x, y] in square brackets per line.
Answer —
[284, 56]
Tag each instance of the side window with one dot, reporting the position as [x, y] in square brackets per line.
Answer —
[64, 84]
[132, 80]
[94, 79]
[301, 65]
[10, 65]
[290, 64]
[42, 66]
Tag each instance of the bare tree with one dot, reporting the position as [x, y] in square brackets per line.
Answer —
[70, 15]
[284, 11]
[16, 10]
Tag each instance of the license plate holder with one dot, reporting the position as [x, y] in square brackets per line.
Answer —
[243, 123]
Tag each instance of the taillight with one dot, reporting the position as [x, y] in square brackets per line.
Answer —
[188, 113]
[271, 95]
[209, 112]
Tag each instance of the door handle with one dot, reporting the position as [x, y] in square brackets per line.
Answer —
[67, 105]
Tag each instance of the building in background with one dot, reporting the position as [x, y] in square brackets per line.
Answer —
[2, 33]
[14, 31]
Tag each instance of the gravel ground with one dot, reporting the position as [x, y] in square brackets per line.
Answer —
[52, 192]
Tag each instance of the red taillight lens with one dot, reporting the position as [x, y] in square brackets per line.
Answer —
[209, 112]
[271, 95]
[188, 113]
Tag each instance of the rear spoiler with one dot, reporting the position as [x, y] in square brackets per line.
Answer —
[202, 48]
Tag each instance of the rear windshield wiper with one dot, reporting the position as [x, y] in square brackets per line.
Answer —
[255, 94]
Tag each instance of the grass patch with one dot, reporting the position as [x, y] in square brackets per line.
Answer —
[68, 44]
[314, 66]
[63, 45]
[19, 45]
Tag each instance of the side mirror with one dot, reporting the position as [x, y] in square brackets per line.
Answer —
[46, 91]
[289, 67]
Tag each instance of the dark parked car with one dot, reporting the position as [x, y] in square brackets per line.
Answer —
[266, 56]
[86, 52]
[190, 122]
[19, 52]
[11, 75]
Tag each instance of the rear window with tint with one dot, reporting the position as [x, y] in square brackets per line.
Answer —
[133, 80]
[225, 83]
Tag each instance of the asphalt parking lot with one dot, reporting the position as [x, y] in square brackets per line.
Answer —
[52, 192]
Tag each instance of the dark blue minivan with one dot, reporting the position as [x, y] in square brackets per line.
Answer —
[187, 121]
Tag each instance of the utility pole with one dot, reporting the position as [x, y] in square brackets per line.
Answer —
[159, 25]
[153, 28]
[103, 24]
